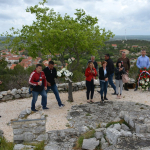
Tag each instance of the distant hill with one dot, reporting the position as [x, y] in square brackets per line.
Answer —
[131, 37]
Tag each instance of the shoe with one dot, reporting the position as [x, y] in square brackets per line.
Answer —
[45, 108]
[118, 97]
[98, 91]
[61, 106]
[88, 101]
[105, 98]
[126, 89]
[91, 101]
[34, 110]
[114, 93]
[102, 99]
[135, 89]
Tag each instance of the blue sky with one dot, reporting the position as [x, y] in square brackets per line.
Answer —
[114, 15]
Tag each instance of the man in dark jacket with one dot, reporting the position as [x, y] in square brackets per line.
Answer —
[51, 74]
[111, 68]
[94, 62]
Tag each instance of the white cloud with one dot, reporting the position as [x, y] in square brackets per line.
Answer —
[114, 15]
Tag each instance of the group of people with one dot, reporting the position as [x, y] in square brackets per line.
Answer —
[106, 73]
[42, 81]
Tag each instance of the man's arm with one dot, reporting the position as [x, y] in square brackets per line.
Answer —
[31, 79]
[138, 63]
[147, 63]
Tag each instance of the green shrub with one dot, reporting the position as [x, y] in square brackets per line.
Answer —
[5, 145]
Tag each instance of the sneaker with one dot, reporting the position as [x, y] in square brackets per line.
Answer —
[118, 97]
[135, 89]
[126, 89]
[61, 106]
[34, 110]
[114, 93]
[91, 101]
[45, 108]
[105, 98]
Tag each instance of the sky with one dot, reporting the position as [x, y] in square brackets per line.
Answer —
[115, 15]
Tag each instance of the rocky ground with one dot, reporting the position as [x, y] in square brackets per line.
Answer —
[57, 118]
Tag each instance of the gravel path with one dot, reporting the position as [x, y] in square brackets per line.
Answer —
[56, 119]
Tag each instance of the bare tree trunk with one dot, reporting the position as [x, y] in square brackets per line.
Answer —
[70, 96]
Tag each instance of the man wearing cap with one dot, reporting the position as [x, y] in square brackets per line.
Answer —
[126, 64]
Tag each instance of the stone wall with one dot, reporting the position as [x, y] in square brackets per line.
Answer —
[24, 91]
[29, 130]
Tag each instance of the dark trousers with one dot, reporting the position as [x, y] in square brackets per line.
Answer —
[35, 96]
[55, 90]
[103, 86]
[90, 88]
[110, 80]
[137, 82]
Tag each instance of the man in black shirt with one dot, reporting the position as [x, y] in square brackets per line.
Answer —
[94, 62]
[111, 68]
[51, 74]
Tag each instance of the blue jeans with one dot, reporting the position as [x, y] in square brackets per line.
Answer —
[103, 86]
[55, 90]
[35, 96]
[110, 80]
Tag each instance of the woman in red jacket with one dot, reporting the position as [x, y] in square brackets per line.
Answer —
[90, 74]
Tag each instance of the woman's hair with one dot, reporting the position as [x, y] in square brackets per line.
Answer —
[118, 63]
[104, 62]
[90, 63]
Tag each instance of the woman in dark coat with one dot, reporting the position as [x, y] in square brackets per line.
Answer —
[103, 77]
[119, 70]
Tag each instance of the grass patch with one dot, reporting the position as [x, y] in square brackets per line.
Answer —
[122, 121]
[87, 135]
[5, 145]
[98, 147]
[88, 114]
[98, 126]
[137, 104]
[39, 146]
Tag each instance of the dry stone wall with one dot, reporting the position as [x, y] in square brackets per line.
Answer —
[29, 130]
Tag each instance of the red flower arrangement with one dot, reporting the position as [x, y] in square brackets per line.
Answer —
[143, 79]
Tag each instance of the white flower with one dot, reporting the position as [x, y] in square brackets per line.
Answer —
[146, 83]
[63, 69]
[58, 74]
[147, 79]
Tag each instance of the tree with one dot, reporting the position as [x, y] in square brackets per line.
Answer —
[52, 33]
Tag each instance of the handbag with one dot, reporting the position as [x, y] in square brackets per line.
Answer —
[125, 78]
[96, 82]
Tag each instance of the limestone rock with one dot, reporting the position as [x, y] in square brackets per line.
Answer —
[98, 135]
[21, 147]
[14, 91]
[4, 93]
[117, 126]
[124, 127]
[1, 96]
[1, 133]
[90, 144]
[112, 135]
